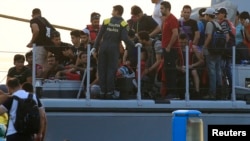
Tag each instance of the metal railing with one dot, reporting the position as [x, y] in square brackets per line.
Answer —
[139, 93]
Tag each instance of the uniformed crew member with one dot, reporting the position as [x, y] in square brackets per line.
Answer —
[113, 30]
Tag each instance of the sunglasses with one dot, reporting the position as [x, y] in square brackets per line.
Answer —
[95, 17]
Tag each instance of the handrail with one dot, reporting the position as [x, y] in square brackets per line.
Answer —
[27, 21]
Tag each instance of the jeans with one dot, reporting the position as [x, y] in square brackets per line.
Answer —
[227, 69]
[214, 72]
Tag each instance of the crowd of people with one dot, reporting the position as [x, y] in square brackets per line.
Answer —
[164, 41]
[162, 38]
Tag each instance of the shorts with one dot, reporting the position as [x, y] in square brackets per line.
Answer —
[40, 55]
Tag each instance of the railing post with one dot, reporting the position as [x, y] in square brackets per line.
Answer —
[34, 67]
[187, 98]
[233, 97]
[88, 74]
[139, 46]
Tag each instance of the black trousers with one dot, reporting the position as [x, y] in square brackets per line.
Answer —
[19, 137]
[170, 70]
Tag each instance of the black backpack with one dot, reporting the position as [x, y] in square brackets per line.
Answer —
[27, 115]
[218, 42]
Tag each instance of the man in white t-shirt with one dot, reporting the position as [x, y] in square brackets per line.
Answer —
[10, 106]
[157, 16]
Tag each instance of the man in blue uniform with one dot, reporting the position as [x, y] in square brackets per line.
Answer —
[108, 40]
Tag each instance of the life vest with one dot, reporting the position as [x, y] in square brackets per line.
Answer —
[93, 32]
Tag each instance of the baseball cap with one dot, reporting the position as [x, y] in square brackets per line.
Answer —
[221, 10]
[86, 31]
[209, 11]
[95, 15]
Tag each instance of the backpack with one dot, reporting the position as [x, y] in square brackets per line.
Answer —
[218, 42]
[27, 116]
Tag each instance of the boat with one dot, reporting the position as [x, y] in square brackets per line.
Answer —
[73, 118]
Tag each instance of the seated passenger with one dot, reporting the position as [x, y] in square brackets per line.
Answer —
[94, 80]
[72, 69]
[29, 60]
[19, 71]
[57, 47]
[52, 67]
[69, 57]
[28, 57]
[195, 61]
[76, 41]
[85, 39]
[81, 66]
[151, 50]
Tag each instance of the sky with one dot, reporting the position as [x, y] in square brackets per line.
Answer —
[15, 35]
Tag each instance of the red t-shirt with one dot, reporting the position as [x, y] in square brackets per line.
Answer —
[247, 42]
[169, 24]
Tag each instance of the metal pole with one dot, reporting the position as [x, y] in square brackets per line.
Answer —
[187, 72]
[88, 73]
[233, 98]
[139, 73]
[82, 82]
[34, 67]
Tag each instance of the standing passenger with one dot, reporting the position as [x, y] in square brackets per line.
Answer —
[213, 59]
[113, 30]
[94, 27]
[244, 19]
[169, 44]
[157, 16]
[143, 22]
[240, 54]
[189, 26]
[39, 37]
[10, 106]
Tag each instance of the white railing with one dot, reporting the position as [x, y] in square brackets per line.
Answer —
[37, 83]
